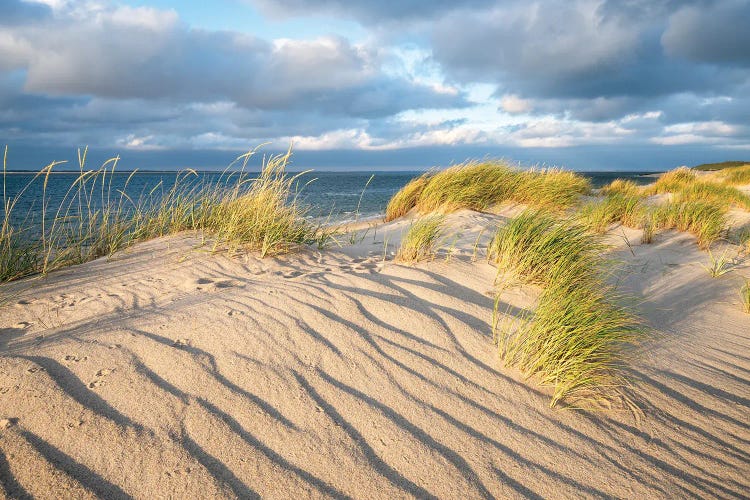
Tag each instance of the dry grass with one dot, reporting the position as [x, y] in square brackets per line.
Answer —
[406, 198]
[745, 296]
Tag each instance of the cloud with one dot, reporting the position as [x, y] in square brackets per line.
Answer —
[716, 33]
[462, 74]
[145, 53]
[366, 11]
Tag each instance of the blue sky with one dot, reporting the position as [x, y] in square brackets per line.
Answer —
[585, 84]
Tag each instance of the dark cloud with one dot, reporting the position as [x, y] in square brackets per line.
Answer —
[147, 54]
[715, 34]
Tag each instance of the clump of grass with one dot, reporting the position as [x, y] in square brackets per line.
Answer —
[737, 175]
[419, 242]
[622, 187]
[94, 219]
[626, 209]
[745, 296]
[471, 185]
[718, 266]
[715, 193]
[406, 198]
[536, 246]
[576, 339]
[479, 185]
[647, 237]
[550, 188]
[707, 221]
[261, 214]
[672, 181]
[742, 238]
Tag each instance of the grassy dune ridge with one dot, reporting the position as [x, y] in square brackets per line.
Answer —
[94, 219]
[580, 334]
[480, 185]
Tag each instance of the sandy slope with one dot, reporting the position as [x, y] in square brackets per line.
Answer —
[168, 372]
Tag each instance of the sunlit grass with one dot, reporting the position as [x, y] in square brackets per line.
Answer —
[672, 181]
[707, 221]
[406, 198]
[421, 238]
[745, 296]
[576, 339]
[628, 210]
[480, 185]
[622, 187]
[94, 219]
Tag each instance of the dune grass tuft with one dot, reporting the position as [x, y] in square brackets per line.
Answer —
[626, 209]
[419, 242]
[685, 185]
[707, 221]
[93, 219]
[406, 198]
[737, 175]
[479, 185]
[577, 337]
[624, 187]
[672, 181]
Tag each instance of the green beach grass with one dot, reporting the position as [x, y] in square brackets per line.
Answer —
[421, 238]
[577, 338]
[480, 185]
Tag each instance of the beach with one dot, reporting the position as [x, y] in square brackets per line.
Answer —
[170, 371]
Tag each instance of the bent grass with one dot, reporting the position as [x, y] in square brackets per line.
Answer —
[480, 185]
[420, 240]
[577, 338]
[94, 218]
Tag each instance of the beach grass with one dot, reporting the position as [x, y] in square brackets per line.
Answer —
[624, 187]
[706, 220]
[421, 238]
[406, 198]
[480, 185]
[718, 266]
[626, 209]
[737, 175]
[577, 338]
[253, 212]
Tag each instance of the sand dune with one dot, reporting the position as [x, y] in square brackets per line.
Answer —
[170, 372]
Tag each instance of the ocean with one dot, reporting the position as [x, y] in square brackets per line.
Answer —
[342, 195]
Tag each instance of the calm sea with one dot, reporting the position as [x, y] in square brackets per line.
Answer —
[336, 193]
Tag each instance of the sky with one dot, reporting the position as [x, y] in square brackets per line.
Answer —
[387, 84]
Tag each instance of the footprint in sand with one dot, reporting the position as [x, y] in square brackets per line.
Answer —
[22, 325]
[25, 302]
[99, 382]
[75, 359]
[204, 281]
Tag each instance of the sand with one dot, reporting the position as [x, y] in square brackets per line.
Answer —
[170, 372]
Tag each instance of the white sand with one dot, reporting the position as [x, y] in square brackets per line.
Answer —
[168, 372]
